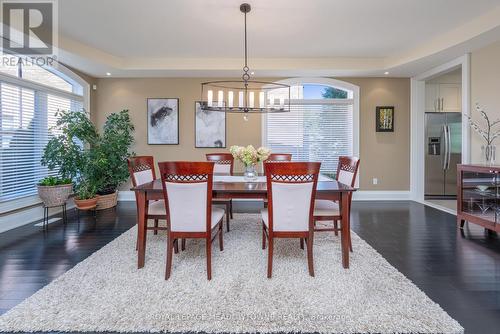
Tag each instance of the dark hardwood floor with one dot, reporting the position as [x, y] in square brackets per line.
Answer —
[461, 272]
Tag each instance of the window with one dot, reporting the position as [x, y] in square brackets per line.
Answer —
[30, 96]
[319, 127]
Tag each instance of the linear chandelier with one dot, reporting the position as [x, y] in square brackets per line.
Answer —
[245, 96]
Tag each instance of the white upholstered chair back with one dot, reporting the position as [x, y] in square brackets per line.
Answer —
[345, 177]
[222, 169]
[187, 190]
[143, 176]
[291, 190]
[291, 206]
[187, 203]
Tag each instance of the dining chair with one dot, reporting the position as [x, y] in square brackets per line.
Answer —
[187, 190]
[224, 164]
[276, 157]
[291, 188]
[325, 210]
[142, 170]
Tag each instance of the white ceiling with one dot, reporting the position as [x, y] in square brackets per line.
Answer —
[205, 37]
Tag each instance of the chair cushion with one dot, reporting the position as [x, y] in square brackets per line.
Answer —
[157, 208]
[265, 216]
[217, 214]
[327, 208]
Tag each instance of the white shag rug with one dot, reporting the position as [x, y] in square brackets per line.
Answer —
[106, 292]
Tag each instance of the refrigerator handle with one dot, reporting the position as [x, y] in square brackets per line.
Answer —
[445, 146]
[448, 149]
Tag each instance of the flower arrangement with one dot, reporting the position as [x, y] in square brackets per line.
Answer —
[249, 156]
[487, 133]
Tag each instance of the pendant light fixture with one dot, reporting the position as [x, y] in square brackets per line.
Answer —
[245, 96]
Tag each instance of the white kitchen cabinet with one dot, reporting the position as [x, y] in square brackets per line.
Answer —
[443, 97]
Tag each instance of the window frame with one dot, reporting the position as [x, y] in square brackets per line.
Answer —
[353, 98]
[24, 202]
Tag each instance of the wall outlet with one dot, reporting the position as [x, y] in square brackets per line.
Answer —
[375, 180]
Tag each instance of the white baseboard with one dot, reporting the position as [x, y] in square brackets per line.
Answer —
[381, 195]
[360, 195]
[28, 216]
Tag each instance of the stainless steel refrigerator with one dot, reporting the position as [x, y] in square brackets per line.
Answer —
[443, 140]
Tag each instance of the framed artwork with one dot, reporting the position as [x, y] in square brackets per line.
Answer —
[163, 121]
[209, 128]
[384, 119]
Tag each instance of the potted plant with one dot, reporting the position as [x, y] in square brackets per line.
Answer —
[111, 156]
[54, 191]
[85, 195]
[93, 161]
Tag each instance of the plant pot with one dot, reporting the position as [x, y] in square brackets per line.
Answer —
[55, 195]
[86, 204]
[107, 201]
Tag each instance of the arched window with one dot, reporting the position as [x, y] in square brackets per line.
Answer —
[321, 126]
[30, 97]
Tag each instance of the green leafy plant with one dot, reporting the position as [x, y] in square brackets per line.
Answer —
[51, 181]
[86, 189]
[97, 163]
[113, 151]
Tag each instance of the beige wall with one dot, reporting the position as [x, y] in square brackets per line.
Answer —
[384, 155]
[485, 90]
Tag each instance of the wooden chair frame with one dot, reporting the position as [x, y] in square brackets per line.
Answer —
[141, 163]
[191, 172]
[290, 172]
[224, 159]
[350, 164]
[276, 157]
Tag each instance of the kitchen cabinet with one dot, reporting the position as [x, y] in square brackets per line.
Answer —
[443, 97]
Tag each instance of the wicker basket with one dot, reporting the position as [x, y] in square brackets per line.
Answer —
[107, 201]
[52, 196]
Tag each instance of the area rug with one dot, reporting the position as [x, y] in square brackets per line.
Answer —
[106, 292]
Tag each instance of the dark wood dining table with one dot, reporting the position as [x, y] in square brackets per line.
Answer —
[330, 190]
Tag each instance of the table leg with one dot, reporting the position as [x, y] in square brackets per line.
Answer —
[346, 228]
[141, 221]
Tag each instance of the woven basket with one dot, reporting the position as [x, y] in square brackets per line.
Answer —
[107, 201]
[52, 196]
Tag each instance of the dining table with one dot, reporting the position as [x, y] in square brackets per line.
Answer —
[236, 187]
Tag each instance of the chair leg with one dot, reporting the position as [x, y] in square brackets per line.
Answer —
[231, 208]
[170, 246]
[336, 225]
[270, 258]
[221, 236]
[263, 236]
[310, 254]
[228, 213]
[301, 243]
[350, 243]
[156, 227]
[176, 246]
[209, 257]
[183, 244]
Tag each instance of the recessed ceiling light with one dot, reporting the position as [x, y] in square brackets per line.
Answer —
[386, 73]
[108, 74]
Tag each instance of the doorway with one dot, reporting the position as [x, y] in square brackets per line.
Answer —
[440, 135]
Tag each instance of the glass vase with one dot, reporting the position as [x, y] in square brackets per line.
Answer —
[489, 152]
[250, 173]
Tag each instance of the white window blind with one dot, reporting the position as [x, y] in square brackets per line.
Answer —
[27, 118]
[312, 132]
